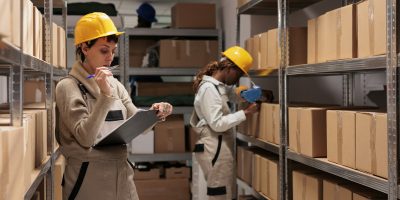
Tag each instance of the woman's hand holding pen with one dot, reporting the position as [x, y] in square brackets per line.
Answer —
[164, 109]
[101, 79]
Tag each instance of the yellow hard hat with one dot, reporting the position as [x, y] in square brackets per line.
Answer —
[240, 57]
[94, 25]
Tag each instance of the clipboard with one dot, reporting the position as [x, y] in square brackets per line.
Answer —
[135, 125]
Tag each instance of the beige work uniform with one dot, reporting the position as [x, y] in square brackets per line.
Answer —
[214, 150]
[93, 172]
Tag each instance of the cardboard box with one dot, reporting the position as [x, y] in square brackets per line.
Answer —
[177, 172]
[341, 137]
[249, 46]
[147, 174]
[371, 28]
[264, 182]
[297, 46]
[27, 35]
[5, 19]
[270, 125]
[193, 15]
[187, 53]
[367, 194]
[371, 143]
[239, 161]
[247, 166]
[143, 143]
[40, 135]
[170, 135]
[34, 91]
[16, 23]
[11, 163]
[312, 38]
[264, 50]
[37, 33]
[322, 38]
[54, 41]
[272, 59]
[256, 178]
[58, 176]
[334, 191]
[273, 176]
[166, 189]
[61, 53]
[306, 186]
[256, 51]
[307, 131]
[137, 50]
[164, 88]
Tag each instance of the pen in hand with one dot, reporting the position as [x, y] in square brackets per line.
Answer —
[109, 68]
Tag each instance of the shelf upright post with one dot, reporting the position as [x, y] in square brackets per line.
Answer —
[284, 176]
[48, 16]
[392, 78]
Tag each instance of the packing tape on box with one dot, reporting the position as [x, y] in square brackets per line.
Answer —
[187, 43]
[372, 143]
[371, 26]
[298, 114]
[304, 187]
[338, 34]
[339, 136]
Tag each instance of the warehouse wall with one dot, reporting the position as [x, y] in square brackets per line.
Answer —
[3, 89]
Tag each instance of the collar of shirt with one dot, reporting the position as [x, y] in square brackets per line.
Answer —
[212, 80]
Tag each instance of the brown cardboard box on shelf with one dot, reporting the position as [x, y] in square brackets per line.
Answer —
[164, 88]
[307, 131]
[137, 50]
[34, 91]
[256, 52]
[272, 123]
[40, 135]
[239, 161]
[54, 41]
[187, 53]
[306, 186]
[263, 127]
[58, 176]
[367, 194]
[256, 178]
[168, 189]
[298, 46]
[341, 137]
[61, 54]
[273, 176]
[16, 23]
[264, 182]
[264, 50]
[247, 166]
[37, 33]
[371, 28]
[272, 59]
[371, 143]
[27, 35]
[11, 163]
[193, 15]
[177, 172]
[249, 46]
[322, 38]
[169, 136]
[312, 38]
[5, 20]
[333, 191]
[147, 175]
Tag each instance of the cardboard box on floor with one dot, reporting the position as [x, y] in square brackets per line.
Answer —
[193, 15]
[164, 89]
[187, 53]
[147, 175]
[333, 191]
[137, 50]
[58, 177]
[371, 143]
[371, 28]
[11, 163]
[168, 189]
[306, 186]
[169, 136]
[307, 131]
[341, 137]
[177, 172]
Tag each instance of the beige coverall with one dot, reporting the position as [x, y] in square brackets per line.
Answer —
[213, 121]
[85, 114]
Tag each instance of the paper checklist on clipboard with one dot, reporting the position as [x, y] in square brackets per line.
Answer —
[135, 125]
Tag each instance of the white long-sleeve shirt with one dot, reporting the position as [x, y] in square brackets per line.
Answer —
[208, 104]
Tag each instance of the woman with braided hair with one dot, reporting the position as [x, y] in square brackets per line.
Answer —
[214, 122]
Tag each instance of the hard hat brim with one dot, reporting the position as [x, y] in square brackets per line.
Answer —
[99, 36]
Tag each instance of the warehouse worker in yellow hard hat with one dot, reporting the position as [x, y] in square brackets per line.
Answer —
[90, 104]
[214, 122]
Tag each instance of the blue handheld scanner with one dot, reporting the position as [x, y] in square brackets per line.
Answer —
[252, 94]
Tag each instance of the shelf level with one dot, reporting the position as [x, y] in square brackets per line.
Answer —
[258, 143]
[158, 32]
[245, 186]
[323, 164]
[158, 157]
[270, 7]
[181, 71]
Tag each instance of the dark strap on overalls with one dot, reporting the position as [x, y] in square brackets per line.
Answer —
[79, 181]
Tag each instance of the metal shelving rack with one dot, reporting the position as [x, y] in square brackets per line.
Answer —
[126, 71]
[346, 68]
[17, 65]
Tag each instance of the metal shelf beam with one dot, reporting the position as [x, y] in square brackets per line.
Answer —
[163, 71]
[322, 164]
[154, 32]
[159, 157]
[269, 7]
[245, 186]
[339, 67]
[258, 143]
